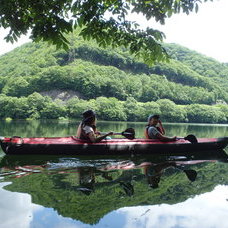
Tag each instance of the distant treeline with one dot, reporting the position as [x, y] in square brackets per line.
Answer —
[36, 106]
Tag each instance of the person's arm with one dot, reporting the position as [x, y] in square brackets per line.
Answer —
[165, 138]
[154, 132]
[78, 134]
[97, 133]
[161, 127]
[146, 134]
[161, 166]
[157, 168]
[93, 138]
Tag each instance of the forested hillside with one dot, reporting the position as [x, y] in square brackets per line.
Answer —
[189, 88]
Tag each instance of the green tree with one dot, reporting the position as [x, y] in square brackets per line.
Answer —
[50, 19]
[205, 114]
[4, 100]
[75, 107]
[171, 112]
[224, 109]
[16, 87]
[2, 83]
[149, 109]
[52, 111]
[110, 109]
[36, 104]
[13, 107]
[134, 110]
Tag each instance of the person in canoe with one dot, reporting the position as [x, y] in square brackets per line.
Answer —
[154, 130]
[87, 128]
[153, 172]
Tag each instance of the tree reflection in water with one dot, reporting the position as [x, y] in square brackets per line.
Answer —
[86, 189]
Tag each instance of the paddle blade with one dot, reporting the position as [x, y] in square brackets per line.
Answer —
[129, 133]
[191, 174]
[191, 138]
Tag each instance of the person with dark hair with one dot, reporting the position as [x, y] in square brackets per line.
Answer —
[87, 128]
[154, 130]
[153, 172]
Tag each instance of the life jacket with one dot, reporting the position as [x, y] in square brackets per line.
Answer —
[83, 135]
[146, 131]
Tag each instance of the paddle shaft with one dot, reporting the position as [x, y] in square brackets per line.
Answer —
[129, 133]
[116, 133]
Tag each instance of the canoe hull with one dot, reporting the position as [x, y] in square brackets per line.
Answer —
[69, 146]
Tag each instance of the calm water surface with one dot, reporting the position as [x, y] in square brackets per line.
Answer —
[112, 192]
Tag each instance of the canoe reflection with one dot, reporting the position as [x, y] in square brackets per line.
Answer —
[85, 179]
[84, 176]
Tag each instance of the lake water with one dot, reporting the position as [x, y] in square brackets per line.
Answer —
[112, 192]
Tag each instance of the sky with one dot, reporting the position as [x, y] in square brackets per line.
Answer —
[205, 32]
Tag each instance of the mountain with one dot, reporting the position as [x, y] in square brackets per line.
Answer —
[189, 88]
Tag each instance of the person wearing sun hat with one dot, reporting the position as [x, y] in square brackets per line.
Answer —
[153, 131]
[87, 128]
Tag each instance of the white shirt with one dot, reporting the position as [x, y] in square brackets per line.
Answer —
[88, 129]
[152, 132]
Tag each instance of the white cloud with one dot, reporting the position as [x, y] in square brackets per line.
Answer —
[206, 210]
[67, 224]
[16, 209]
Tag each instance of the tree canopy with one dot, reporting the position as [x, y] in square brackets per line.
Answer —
[103, 20]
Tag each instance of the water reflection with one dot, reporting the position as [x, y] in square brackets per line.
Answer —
[141, 191]
[89, 189]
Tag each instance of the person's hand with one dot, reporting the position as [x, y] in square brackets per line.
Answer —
[74, 137]
[173, 163]
[159, 121]
[97, 132]
[175, 138]
[110, 133]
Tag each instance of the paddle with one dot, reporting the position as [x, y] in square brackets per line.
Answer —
[191, 138]
[190, 173]
[129, 133]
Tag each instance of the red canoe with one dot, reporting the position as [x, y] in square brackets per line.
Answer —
[72, 146]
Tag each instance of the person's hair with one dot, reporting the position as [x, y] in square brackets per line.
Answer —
[150, 117]
[88, 117]
[154, 182]
[155, 116]
[89, 121]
